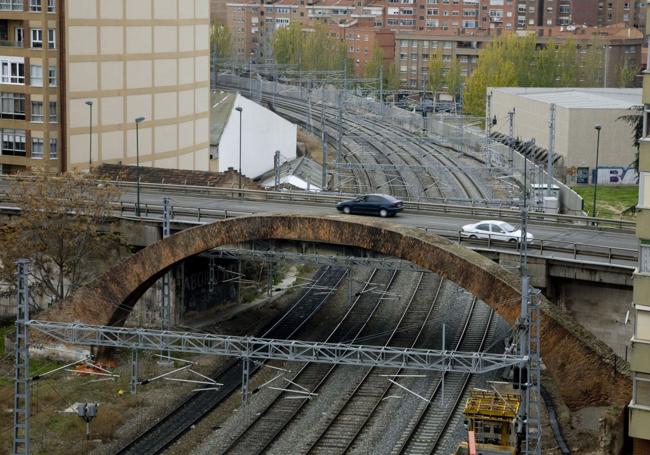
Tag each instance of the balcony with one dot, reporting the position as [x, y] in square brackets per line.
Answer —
[11, 33]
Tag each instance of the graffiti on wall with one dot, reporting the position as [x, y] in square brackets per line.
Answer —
[616, 176]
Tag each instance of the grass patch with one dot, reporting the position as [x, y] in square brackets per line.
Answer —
[611, 200]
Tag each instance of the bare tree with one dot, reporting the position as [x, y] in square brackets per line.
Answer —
[62, 229]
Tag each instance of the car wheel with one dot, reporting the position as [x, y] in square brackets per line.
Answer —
[383, 213]
[512, 240]
[473, 237]
[346, 210]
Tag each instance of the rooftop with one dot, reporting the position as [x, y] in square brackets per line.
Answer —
[220, 109]
[579, 98]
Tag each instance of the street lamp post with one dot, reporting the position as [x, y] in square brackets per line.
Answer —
[90, 135]
[239, 109]
[595, 177]
[137, 163]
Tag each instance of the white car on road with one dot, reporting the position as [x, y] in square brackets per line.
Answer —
[494, 230]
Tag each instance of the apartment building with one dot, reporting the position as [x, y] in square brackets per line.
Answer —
[622, 46]
[72, 66]
[639, 408]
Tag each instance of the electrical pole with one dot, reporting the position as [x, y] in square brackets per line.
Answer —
[511, 133]
[381, 90]
[324, 179]
[22, 396]
[488, 130]
[339, 127]
[276, 167]
[551, 145]
[165, 307]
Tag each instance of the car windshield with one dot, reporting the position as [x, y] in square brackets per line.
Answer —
[508, 227]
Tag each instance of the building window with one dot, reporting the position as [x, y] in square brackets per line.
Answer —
[37, 148]
[51, 38]
[35, 5]
[19, 34]
[12, 70]
[37, 111]
[13, 142]
[51, 116]
[12, 105]
[644, 258]
[11, 5]
[53, 153]
[36, 75]
[51, 6]
[37, 37]
[641, 391]
[51, 76]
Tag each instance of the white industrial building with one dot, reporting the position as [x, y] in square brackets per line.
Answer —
[262, 133]
[577, 111]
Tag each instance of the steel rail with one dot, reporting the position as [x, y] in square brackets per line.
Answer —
[197, 405]
[278, 414]
[354, 406]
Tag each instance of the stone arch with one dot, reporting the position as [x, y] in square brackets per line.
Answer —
[573, 355]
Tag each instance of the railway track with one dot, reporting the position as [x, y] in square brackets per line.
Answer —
[421, 153]
[257, 437]
[347, 422]
[431, 421]
[192, 409]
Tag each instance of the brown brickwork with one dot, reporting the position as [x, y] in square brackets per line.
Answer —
[226, 179]
[582, 366]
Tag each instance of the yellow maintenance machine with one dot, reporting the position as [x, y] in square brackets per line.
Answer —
[491, 422]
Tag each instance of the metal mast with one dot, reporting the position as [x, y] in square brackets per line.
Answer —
[529, 342]
[551, 145]
[21, 387]
[165, 307]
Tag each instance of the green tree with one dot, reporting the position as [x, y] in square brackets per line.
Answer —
[592, 63]
[635, 119]
[436, 74]
[287, 44]
[221, 40]
[323, 52]
[626, 76]
[544, 67]
[517, 61]
[492, 70]
[376, 61]
[454, 79]
[567, 64]
[391, 77]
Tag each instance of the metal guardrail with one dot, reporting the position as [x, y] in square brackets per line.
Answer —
[330, 199]
[541, 246]
[194, 215]
[409, 205]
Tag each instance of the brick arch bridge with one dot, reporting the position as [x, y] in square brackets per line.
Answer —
[581, 365]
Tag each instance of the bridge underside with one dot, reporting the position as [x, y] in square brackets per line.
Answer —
[574, 356]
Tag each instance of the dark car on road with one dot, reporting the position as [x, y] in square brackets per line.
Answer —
[372, 204]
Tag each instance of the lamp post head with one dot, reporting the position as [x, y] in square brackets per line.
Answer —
[598, 127]
[139, 120]
[239, 109]
[89, 103]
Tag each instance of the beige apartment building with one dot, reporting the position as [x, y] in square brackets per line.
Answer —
[70, 67]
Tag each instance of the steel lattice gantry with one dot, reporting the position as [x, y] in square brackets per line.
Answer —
[271, 349]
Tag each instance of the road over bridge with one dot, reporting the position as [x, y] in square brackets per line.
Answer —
[572, 354]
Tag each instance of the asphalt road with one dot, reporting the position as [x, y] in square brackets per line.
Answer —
[563, 233]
